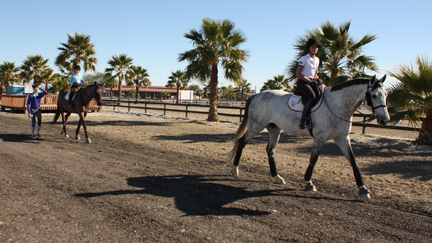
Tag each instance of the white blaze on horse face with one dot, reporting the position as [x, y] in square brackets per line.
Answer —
[379, 100]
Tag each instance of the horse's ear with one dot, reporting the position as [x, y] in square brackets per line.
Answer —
[372, 81]
[383, 78]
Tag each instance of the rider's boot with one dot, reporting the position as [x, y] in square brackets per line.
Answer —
[305, 122]
[70, 97]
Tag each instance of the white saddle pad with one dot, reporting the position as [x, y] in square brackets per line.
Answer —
[68, 94]
[295, 103]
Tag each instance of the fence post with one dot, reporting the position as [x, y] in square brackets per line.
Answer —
[164, 109]
[145, 109]
[187, 108]
[114, 105]
[364, 125]
[128, 105]
[241, 112]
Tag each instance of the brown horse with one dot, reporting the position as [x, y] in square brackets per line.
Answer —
[82, 99]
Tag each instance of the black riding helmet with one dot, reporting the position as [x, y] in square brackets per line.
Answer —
[311, 42]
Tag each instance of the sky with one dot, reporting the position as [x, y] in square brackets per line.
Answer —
[152, 32]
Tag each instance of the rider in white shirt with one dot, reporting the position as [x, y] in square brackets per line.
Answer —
[307, 77]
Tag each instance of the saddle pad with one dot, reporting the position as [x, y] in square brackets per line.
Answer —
[68, 94]
[295, 103]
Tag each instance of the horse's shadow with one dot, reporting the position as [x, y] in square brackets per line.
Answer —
[194, 195]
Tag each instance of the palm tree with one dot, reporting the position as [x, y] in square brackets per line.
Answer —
[47, 76]
[110, 83]
[59, 82]
[8, 75]
[178, 80]
[216, 43]
[243, 86]
[32, 68]
[278, 82]
[77, 50]
[411, 97]
[119, 66]
[139, 77]
[340, 54]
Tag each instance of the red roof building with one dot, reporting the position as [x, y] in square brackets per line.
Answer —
[151, 92]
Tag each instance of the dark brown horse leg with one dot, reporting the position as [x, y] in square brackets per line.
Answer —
[88, 140]
[79, 126]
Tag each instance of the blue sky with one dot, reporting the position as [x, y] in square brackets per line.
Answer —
[151, 32]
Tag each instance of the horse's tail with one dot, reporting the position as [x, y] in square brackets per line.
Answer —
[241, 130]
[57, 112]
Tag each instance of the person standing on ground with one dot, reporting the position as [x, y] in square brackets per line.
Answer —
[34, 111]
[75, 81]
[307, 77]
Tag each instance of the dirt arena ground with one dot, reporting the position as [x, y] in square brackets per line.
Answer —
[155, 178]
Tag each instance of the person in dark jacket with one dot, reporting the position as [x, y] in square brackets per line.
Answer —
[34, 111]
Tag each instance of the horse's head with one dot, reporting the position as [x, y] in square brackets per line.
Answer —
[375, 100]
[97, 92]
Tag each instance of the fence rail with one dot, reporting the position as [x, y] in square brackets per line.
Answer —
[144, 105]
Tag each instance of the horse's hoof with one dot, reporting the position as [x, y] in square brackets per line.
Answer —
[77, 137]
[310, 188]
[364, 193]
[235, 171]
[279, 180]
[88, 140]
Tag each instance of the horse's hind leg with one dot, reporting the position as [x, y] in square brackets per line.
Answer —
[345, 145]
[242, 143]
[316, 149]
[274, 135]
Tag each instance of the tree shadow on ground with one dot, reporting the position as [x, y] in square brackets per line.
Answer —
[260, 138]
[407, 169]
[19, 138]
[194, 195]
[118, 123]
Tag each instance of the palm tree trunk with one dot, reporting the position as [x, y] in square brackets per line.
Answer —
[425, 134]
[1, 90]
[178, 89]
[242, 99]
[213, 116]
[111, 92]
[137, 92]
[120, 89]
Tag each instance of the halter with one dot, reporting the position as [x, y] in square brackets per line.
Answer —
[368, 101]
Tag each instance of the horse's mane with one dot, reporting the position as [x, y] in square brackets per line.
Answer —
[349, 83]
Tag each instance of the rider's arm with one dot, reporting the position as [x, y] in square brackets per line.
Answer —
[299, 74]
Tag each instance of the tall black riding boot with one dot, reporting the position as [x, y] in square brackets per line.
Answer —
[70, 97]
[305, 122]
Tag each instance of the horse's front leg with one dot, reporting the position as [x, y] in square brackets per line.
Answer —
[345, 145]
[64, 121]
[79, 126]
[316, 149]
[88, 140]
[274, 135]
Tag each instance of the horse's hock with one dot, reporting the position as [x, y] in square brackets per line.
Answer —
[48, 103]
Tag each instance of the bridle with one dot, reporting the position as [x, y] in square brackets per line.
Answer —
[369, 102]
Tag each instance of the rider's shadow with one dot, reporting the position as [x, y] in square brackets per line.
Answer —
[194, 195]
[20, 138]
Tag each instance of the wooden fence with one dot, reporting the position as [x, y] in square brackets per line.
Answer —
[48, 103]
[365, 122]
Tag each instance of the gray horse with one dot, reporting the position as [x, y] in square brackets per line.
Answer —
[332, 120]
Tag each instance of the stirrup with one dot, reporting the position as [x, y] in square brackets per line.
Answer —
[306, 124]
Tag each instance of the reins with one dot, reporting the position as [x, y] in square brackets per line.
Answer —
[368, 100]
[325, 101]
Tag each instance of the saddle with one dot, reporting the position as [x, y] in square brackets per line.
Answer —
[297, 100]
[73, 95]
